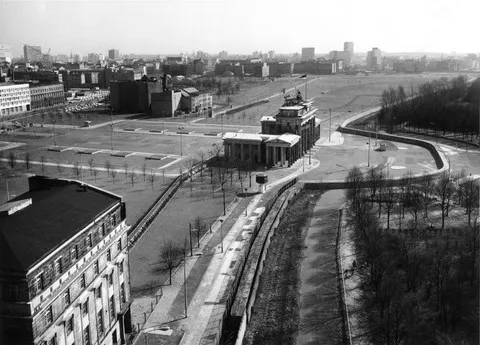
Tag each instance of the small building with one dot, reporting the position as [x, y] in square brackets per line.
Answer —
[194, 101]
[64, 270]
[284, 138]
[166, 103]
[14, 98]
[46, 95]
[133, 96]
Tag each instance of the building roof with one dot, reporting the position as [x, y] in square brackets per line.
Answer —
[242, 136]
[190, 90]
[57, 213]
[268, 119]
[287, 138]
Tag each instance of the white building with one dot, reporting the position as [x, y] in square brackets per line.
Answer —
[5, 53]
[14, 98]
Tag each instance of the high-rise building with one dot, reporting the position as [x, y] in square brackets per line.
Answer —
[5, 53]
[308, 54]
[32, 53]
[113, 54]
[223, 55]
[348, 47]
[64, 266]
[374, 58]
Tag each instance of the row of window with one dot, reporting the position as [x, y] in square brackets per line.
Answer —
[70, 324]
[75, 254]
[12, 110]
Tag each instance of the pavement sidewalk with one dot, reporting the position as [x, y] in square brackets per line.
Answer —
[206, 275]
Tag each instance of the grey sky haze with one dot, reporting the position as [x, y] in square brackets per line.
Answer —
[240, 26]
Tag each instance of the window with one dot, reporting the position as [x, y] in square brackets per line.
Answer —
[103, 229]
[122, 292]
[98, 291]
[114, 337]
[114, 220]
[58, 266]
[86, 335]
[82, 281]
[120, 267]
[53, 340]
[39, 282]
[101, 328]
[95, 267]
[66, 296]
[110, 279]
[85, 307]
[109, 254]
[70, 325]
[119, 245]
[75, 253]
[112, 308]
[88, 241]
[49, 315]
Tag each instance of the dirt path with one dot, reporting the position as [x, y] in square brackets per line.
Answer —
[320, 317]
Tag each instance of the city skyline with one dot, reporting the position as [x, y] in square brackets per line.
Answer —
[142, 27]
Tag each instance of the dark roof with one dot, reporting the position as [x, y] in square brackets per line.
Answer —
[55, 215]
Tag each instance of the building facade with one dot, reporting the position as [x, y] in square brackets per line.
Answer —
[32, 53]
[14, 98]
[46, 95]
[374, 58]
[72, 286]
[308, 54]
[194, 101]
[284, 138]
[5, 53]
[113, 54]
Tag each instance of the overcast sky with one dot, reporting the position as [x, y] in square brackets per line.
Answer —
[240, 26]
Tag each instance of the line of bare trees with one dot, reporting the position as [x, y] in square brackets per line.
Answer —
[442, 105]
[419, 289]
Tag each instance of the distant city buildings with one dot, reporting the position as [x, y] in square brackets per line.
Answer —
[64, 271]
[348, 47]
[5, 53]
[374, 58]
[113, 54]
[32, 53]
[223, 55]
[14, 98]
[308, 54]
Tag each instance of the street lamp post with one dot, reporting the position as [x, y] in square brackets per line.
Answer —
[181, 143]
[368, 162]
[246, 206]
[111, 128]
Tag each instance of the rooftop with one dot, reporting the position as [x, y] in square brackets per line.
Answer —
[59, 209]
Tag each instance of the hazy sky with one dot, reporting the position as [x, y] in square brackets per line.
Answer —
[240, 26]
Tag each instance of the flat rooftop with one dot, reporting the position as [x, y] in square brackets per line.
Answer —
[57, 212]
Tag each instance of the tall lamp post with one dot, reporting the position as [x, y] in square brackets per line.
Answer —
[181, 143]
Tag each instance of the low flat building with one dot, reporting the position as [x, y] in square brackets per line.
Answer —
[64, 271]
[46, 95]
[14, 98]
[285, 137]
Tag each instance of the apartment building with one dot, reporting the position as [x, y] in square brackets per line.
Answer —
[46, 95]
[14, 98]
[64, 276]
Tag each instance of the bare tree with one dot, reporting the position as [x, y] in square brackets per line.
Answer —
[151, 178]
[12, 160]
[132, 176]
[470, 200]
[91, 165]
[125, 169]
[28, 161]
[170, 254]
[390, 198]
[200, 227]
[443, 189]
[42, 162]
[108, 166]
[427, 183]
[144, 171]
[189, 165]
[113, 173]
[95, 173]
[202, 156]
[59, 168]
[76, 169]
